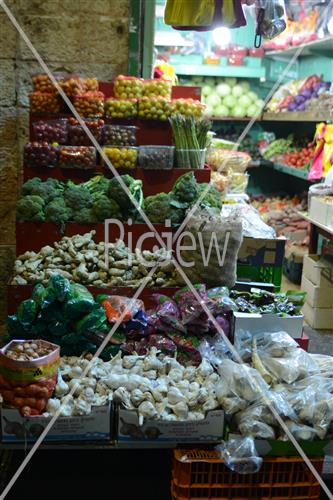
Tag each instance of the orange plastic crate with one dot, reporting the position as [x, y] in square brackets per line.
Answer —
[202, 474]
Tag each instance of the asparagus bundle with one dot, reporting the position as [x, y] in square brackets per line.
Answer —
[190, 136]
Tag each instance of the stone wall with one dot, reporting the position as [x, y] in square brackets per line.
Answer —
[85, 36]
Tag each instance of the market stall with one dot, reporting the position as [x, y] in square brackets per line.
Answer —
[127, 333]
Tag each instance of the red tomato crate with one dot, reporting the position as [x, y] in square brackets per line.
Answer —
[201, 474]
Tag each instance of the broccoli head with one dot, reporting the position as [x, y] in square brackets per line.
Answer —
[48, 190]
[157, 207]
[212, 197]
[57, 211]
[77, 196]
[105, 208]
[185, 188]
[84, 216]
[117, 193]
[98, 184]
[30, 208]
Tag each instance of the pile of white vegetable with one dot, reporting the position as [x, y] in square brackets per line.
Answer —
[80, 259]
[156, 387]
[227, 97]
[297, 384]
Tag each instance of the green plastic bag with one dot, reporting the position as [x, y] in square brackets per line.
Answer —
[70, 339]
[15, 329]
[38, 329]
[92, 322]
[27, 312]
[38, 294]
[54, 312]
[57, 288]
[79, 301]
[57, 328]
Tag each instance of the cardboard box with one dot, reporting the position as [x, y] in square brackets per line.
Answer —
[93, 427]
[209, 430]
[316, 296]
[318, 317]
[257, 323]
[261, 252]
[321, 210]
[318, 270]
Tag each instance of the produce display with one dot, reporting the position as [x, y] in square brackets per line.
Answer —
[80, 157]
[128, 87]
[300, 95]
[77, 135]
[190, 136]
[119, 135]
[88, 202]
[43, 102]
[122, 156]
[72, 85]
[87, 266]
[292, 151]
[40, 154]
[264, 302]
[282, 213]
[90, 104]
[157, 88]
[51, 131]
[154, 108]
[121, 108]
[101, 198]
[229, 97]
[156, 157]
[187, 107]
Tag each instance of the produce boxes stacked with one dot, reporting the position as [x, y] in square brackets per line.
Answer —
[317, 282]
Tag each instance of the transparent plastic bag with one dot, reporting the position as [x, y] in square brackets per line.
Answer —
[252, 223]
[271, 22]
[212, 248]
[299, 431]
[295, 365]
[240, 455]
[244, 381]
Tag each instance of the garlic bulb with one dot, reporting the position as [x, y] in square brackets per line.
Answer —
[61, 389]
[121, 395]
[146, 410]
[205, 368]
[176, 374]
[175, 395]
[137, 397]
[181, 410]
[151, 362]
[53, 406]
[81, 407]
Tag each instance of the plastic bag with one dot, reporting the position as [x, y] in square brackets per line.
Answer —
[38, 294]
[294, 365]
[212, 249]
[275, 344]
[57, 288]
[189, 307]
[27, 312]
[270, 20]
[243, 380]
[240, 455]
[252, 223]
[115, 306]
[299, 431]
[257, 429]
[92, 321]
[79, 301]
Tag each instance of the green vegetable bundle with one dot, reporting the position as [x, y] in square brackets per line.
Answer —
[191, 138]
[62, 313]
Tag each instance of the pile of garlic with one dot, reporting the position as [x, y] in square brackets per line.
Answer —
[156, 387]
[80, 259]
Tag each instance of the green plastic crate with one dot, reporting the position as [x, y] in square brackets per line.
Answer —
[265, 274]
